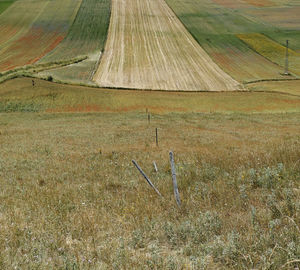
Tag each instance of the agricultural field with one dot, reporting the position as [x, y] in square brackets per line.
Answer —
[5, 4]
[272, 50]
[71, 198]
[14, 22]
[216, 24]
[86, 37]
[148, 48]
[45, 33]
[289, 87]
[19, 95]
[77, 107]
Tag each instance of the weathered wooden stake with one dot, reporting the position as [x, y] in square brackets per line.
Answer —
[286, 72]
[146, 177]
[176, 192]
[155, 167]
[156, 136]
[149, 118]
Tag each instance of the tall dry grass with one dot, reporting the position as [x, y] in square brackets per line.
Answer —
[71, 199]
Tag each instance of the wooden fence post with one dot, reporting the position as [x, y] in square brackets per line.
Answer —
[176, 193]
[155, 166]
[146, 177]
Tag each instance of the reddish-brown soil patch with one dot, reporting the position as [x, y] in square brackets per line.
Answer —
[30, 48]
[260, 3]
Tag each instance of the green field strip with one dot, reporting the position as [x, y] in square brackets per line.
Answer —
[86, 37]
[282, 35]
[46, 32]
[5, 4]
[215, 26]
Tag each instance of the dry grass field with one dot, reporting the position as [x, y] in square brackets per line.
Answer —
[70, 195]
[19, 95]
[71, 198]
[149, 48]
[290, 87]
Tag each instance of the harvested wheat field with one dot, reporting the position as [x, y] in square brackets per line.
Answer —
[149, 48]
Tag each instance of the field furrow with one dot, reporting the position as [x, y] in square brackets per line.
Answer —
[86, 37]
[47, 31]
[149, 48]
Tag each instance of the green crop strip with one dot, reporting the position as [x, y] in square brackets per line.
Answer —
[5, 4]
[215, 28]
[86, 36]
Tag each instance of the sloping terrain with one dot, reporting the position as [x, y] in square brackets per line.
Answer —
[272, 51]
[17, 20]
[86, 37]
[45, 33]
[149, 48]
[215, 26]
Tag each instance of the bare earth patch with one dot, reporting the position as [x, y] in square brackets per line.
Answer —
[149, 48]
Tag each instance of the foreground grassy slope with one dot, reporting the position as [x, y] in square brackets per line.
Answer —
[215, 28]
[20, 95]
[71, 198]
[45, 33]
[86, 37]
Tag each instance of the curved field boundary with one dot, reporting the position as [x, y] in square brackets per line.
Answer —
[48, 30]
[87, 37]
[149, 48]
[215, 28]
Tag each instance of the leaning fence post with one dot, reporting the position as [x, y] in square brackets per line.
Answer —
[155, 166]
[146, 177]
[176, 193]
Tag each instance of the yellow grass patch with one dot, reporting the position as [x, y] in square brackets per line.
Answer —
[149, 48]
[272, 50]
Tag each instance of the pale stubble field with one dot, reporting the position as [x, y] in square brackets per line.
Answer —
[149, 48]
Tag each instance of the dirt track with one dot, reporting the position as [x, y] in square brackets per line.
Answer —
[149, 48]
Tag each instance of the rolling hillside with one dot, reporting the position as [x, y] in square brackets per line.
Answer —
[47, 25]
[86, 37]
[164, 45]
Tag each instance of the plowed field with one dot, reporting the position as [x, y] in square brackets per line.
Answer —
[149, 48]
